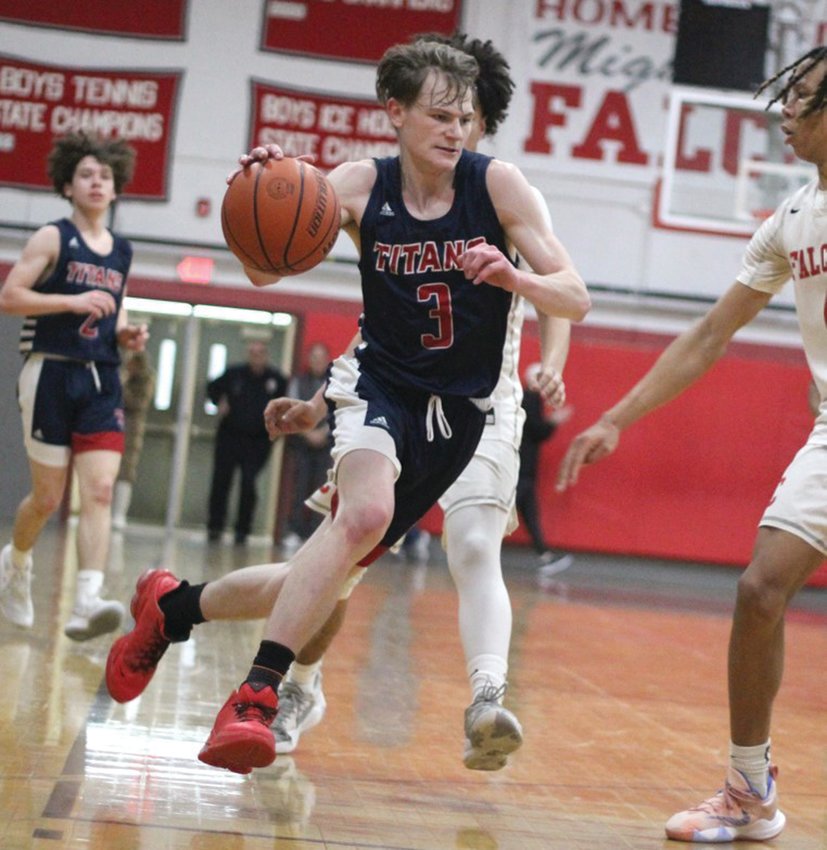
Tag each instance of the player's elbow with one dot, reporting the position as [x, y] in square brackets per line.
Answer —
[580, 304]
[8, 303]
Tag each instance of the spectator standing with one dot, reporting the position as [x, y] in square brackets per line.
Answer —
[540, 425]
[138, 381]
[241, 441]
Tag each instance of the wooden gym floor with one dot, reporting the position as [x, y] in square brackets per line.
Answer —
[617, 674]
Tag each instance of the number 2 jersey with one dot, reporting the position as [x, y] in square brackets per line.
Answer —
[79, 269]
[424, 325]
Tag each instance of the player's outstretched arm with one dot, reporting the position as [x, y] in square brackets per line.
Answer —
[688, 357]
[589, 446]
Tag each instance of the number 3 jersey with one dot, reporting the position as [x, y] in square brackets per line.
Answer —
[424, 325]
[79, 269]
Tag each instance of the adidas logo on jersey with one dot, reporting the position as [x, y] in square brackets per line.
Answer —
[73, 242]
[38, 434]
[386, 210]
[380, 421]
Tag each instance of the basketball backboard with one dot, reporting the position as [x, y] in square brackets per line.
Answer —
[725, 166]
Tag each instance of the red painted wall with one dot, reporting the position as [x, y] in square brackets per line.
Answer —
[691, 480]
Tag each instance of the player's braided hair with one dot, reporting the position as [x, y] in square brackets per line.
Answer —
[494, 84]
[798, 69]
[69, 150]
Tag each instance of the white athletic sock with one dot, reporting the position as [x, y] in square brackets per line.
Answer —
[304, 674]
[20, 558]
[486, 670]
[88, 585]
[754, 763]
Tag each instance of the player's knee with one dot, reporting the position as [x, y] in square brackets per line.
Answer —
[367, 524]
[464, 557]
[761, 596]
[46, 502]
[99, 491]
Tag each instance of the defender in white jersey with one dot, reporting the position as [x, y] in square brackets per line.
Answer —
[479, 508]
[479, 511]
[792, 534]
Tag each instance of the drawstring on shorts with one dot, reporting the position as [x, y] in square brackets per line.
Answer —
[90, 365]
[435, 410]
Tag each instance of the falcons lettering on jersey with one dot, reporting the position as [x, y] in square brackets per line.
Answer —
[809, 261]
[421, 257]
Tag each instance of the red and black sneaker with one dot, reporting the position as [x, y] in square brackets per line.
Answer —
[241, 738]
[134, 656]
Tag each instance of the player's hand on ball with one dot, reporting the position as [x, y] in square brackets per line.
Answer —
[279, 216]
[261, 153]
[589, 446]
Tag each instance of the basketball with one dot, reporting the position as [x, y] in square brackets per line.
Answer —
[280, 216]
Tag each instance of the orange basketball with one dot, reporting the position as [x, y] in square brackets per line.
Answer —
[280, 216]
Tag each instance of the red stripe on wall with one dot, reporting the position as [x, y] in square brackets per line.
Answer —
[688, 482]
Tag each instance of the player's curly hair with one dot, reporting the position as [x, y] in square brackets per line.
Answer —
[67, 151]
[404, 68]
[798, 69]
[494, 83]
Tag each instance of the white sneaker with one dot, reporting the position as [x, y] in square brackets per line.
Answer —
[299, 710]
[736, 812]
[16, 590]
[94, 617]
[550, 564]
[492, 732]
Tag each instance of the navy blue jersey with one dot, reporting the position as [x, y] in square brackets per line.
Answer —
[424, 325]
[79, 269]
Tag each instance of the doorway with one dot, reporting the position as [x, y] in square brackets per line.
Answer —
[188, 346]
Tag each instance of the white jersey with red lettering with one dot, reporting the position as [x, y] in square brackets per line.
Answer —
[792, 244]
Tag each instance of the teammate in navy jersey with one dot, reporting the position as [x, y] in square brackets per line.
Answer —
[434, 227]
[69, 284]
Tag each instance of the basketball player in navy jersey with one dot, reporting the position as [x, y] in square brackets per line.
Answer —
[434, 227]
[69, 284]
[479, 507]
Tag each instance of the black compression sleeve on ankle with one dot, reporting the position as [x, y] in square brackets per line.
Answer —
[182, 610]
[271, 663]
